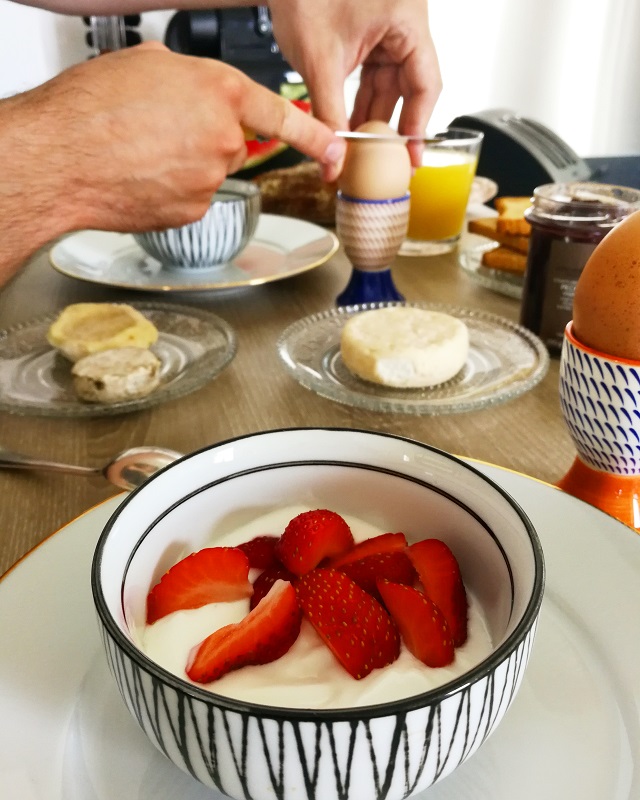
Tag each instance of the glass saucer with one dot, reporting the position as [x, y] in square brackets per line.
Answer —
[505, 360]
[509, 284]
[416, 247]
[193, 347]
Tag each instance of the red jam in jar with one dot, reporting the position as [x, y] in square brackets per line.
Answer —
[567, 222]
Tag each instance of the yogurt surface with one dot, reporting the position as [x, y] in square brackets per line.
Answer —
[308, 675]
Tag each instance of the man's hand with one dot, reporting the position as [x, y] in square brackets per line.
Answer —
[144, 136]
[389, 38]
[139, 139]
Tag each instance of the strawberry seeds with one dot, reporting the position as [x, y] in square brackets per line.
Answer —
[362, 599]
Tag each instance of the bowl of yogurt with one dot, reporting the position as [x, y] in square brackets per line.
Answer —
[301, 726]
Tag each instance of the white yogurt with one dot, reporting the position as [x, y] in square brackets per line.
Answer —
[308, 676]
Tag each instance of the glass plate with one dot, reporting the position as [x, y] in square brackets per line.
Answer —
[193, 345]
[501, 281]
[280, 248]
[504, 361]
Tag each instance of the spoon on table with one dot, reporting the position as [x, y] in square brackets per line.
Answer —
[128, 469]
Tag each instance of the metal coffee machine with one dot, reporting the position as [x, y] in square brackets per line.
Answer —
[243, 38]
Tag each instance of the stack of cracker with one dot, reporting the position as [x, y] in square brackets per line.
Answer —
[510, 229]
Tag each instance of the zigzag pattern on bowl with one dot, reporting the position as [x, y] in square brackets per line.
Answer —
[600, 401]
[370, 758]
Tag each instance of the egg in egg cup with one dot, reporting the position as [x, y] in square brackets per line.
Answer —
[600, 372]
[372, 211]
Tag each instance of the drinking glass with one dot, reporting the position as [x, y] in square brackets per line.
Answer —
[440, 189]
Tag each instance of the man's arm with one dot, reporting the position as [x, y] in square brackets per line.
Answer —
[114, 7]
[139, 139]
[325, 41]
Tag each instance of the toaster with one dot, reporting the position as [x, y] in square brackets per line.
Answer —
[519, 153]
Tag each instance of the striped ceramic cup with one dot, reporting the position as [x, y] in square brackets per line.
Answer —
[217, 238]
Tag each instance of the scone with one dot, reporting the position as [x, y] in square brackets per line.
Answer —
[404, 347]
[85, 328]
[112, 376]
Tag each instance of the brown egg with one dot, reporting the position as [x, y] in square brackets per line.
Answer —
[606, 303]
[376, 170]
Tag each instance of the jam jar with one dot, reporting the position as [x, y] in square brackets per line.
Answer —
[567, 222]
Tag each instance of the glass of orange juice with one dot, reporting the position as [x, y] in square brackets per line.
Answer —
[440, 189]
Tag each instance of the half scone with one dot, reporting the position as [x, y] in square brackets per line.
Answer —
[404, 347]
[112, 376]
[85, 328]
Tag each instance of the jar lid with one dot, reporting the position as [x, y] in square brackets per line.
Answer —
[582, 204]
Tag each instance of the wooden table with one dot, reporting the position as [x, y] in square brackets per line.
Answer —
[254, 393]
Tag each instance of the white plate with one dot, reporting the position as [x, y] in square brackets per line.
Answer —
[281, 247]
[573, 731]
[504, 361]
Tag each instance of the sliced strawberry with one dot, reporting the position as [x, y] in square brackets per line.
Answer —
[440, 576]
[265, 581]
[310, 537]
[384, 543]
[355, 627]
[260, 551]
[423, 627]
[211, 575]
[265, 634]
[393, 566]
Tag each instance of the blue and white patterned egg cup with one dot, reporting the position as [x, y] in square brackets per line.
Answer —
[371, 232]
[222, 233]
[600, 401]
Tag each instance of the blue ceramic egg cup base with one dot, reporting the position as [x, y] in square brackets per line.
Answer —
[369, 287]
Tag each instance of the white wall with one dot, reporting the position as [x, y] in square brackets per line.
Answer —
[36, 44]
[573, 65]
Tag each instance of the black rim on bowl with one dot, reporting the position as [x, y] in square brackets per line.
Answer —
[404, 705]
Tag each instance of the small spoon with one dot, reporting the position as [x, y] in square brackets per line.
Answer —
[128, 469]
[386, 137]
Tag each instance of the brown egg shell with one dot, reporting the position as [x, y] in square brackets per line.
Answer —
[376, 170]
[606, 303]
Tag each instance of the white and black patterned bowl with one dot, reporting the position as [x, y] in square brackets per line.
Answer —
[223, 232]
[600, 401]
[258, 752]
